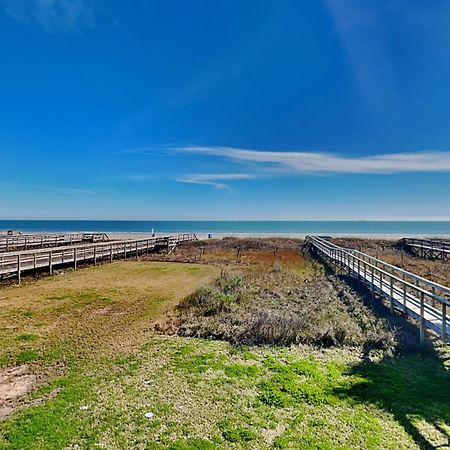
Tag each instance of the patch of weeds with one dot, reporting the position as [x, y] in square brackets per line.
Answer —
[27, 337]
[28, 314]
[287, 385]
[55, 423]
[213, 300]
[26, 356]
[236, 434]
[247, 355]
[54, 355]
[5, 360]
[242, 370]
[201, 363]
[271, 395]
[125, 365]
[306, 441]
[192, 444]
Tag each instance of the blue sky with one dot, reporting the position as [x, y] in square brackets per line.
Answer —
[315, 109]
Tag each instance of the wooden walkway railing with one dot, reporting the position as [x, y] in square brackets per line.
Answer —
[419, 298]
[426, 248]
[28, 241]
[16, 263]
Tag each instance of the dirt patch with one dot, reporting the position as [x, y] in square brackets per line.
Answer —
[15, 383]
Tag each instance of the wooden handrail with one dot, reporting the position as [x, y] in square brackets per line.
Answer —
[406, 292]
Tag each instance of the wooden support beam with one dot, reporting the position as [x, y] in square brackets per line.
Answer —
[19, 272]
[422, 318]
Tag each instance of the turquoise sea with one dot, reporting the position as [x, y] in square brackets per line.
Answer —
[233, 227]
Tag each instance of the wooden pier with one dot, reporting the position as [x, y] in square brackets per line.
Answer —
[29, 241]
[423, 300]
[17, 263]
[426, 248]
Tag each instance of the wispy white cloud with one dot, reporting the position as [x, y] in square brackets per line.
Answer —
[52, 15]
[264, 162]
[44, 187]
[214, 179]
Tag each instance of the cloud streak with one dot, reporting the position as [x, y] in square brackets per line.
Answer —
[214, 179]
[35, 187]
[321, 163]
[52, 15]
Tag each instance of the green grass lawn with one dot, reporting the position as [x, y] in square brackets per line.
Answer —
[207, 394]
[89, 337]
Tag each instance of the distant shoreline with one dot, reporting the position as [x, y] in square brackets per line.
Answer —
[202, 235]
[218, 229]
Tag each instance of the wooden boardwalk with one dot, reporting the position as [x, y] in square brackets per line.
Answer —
[426, 248]
[423, 300]
[28, 241]
[16, 263]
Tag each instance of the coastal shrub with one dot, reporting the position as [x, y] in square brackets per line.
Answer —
[279, 307]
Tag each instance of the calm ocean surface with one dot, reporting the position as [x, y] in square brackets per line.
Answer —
[232, 227]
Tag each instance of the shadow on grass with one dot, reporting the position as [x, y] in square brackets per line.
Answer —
[414, 388]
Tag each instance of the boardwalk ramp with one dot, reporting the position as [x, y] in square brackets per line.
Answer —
[421, 299]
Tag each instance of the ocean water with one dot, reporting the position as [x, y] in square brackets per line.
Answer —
[288, 228]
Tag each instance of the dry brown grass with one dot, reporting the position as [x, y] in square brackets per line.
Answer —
[279, 307]
[102, 310]
[244, 253]
[434, 270]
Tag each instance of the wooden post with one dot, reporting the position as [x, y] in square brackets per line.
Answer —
[34, 260]
[404, 297]
[444, 321]
[50, 262]
[95, 255]
[371, 282]
[391, 295]
[42, 241]
[422, 318]
[111, 253]
[75, 258]
[359, 270]
[26, 242]
[137, 254]
[381, 283]
[19, 279]
[125, 250]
